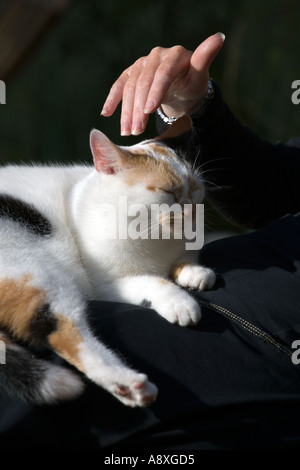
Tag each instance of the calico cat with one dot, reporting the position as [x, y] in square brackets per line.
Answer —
[56, 253]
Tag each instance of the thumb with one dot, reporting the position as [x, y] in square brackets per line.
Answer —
[204, 55]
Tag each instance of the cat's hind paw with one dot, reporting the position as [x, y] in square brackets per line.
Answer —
[140, 392]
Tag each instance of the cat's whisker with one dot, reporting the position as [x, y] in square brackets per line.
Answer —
[151, 228]
[210, 183]
[214, 160]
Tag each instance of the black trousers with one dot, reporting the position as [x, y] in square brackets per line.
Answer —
[231, 382]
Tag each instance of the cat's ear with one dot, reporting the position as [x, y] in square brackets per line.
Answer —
[107, 155]
[182, 126]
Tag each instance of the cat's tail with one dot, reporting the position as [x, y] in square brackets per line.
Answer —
[25, 377]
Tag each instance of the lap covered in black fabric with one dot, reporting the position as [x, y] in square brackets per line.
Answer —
[228, 383]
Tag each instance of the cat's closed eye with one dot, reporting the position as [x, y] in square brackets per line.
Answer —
[166, 191]
[162, 191]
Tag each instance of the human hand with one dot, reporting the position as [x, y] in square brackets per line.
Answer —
[173, 78]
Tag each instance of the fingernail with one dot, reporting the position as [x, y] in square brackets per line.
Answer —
[222, 35]
[137, 128]
[125, 129]
[104, 111]
[149, 107]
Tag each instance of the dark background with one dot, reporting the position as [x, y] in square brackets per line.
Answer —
[55, 96]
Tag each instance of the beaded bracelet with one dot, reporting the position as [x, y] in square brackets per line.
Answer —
[206, 100]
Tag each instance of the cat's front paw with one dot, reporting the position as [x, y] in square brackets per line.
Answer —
[136, 392]
[180, 308]
[196, 277]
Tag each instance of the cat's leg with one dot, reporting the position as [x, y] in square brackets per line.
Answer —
[24, 376]
[73, 340]
[42, 303]
[169, 300]
[51, 311]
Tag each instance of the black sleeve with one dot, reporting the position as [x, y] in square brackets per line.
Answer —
[249, 180]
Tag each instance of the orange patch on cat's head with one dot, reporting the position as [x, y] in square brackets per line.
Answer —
[153, 172]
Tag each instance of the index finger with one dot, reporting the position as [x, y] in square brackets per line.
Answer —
[115, 95]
